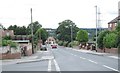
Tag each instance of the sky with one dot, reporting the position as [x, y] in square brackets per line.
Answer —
[50, 12]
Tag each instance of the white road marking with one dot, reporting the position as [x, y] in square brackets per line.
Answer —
[56, 65]
[93, 61]
[49, 65]
[82, 58]
[73, 54]
[110, 68]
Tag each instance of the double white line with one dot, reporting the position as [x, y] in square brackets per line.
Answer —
[50, 65]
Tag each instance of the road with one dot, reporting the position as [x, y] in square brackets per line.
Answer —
[68, 60]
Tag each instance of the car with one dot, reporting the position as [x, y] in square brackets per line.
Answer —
[54, 46]
[43, 48]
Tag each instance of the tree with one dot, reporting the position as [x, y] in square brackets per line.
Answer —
[64, 30]
[110, 40]
[18, 30]
[100, 38]
[2, 27]
[36, 26]
[118, 34]
[82, 36]
[41, 34]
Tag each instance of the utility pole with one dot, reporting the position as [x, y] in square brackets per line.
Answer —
[71, 34]
[96, 26]
[99, 20]
[32, 32]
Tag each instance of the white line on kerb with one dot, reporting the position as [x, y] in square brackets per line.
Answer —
[56, 65]
[93, 61]
[110, 68]
[49, 65]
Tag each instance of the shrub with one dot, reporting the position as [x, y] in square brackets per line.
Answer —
[101, 37]
[65, 43]
[70, 44]
[82, 36]
[60, 43]
[10, 43]
[110, 40]
[7, 38]
[13, 44]
[4, 43]
[75, 43]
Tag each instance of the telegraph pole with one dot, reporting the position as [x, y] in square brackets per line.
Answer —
[71, 34]
[32, 32]
[96, 26]
[99, 20]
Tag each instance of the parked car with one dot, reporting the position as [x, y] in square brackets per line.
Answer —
[54, 46]
[43, 48]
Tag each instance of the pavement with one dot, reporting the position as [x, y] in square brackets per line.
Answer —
[115, 56]
[38, 56]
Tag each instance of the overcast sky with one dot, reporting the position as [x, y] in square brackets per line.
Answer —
[50, 12]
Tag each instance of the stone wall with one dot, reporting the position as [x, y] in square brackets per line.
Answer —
[10, 56]
[29, 52]
[107, 50]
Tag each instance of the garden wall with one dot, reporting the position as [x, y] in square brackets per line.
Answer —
[10, 56]
[107, 50]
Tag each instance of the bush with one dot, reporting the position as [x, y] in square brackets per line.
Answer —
[70, 44]
[110, 40]
[101, 37]
[10, 43]
[7, 38]
[60, 43]
[4, 43]
[13, 44]
[65, 43]
[82, 36]
[75, 43]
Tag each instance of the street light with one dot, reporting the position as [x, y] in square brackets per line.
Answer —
[71, 33]
[32, 31]
[96, 27]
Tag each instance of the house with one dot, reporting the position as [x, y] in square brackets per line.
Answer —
[113, 23]
[7, 33]
[50, 40]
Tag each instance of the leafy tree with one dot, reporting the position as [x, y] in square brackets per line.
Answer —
[101, 37]
[118, 34]
[64, 30]
[36, 26]
[18, 30]
[7, 38]
[2, 27]
[41, 34]
[110, 40]
[118, 39]
[118, 26]
[82, 36]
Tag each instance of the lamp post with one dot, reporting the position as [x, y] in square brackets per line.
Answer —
[96, 27]
[32, 31]
[71, 34]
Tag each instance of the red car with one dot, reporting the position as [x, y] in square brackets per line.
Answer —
[54, 46]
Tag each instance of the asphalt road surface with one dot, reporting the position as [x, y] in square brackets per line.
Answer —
[68, 60]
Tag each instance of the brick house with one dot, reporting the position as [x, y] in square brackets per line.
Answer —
[113, 23]
[7, 33]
